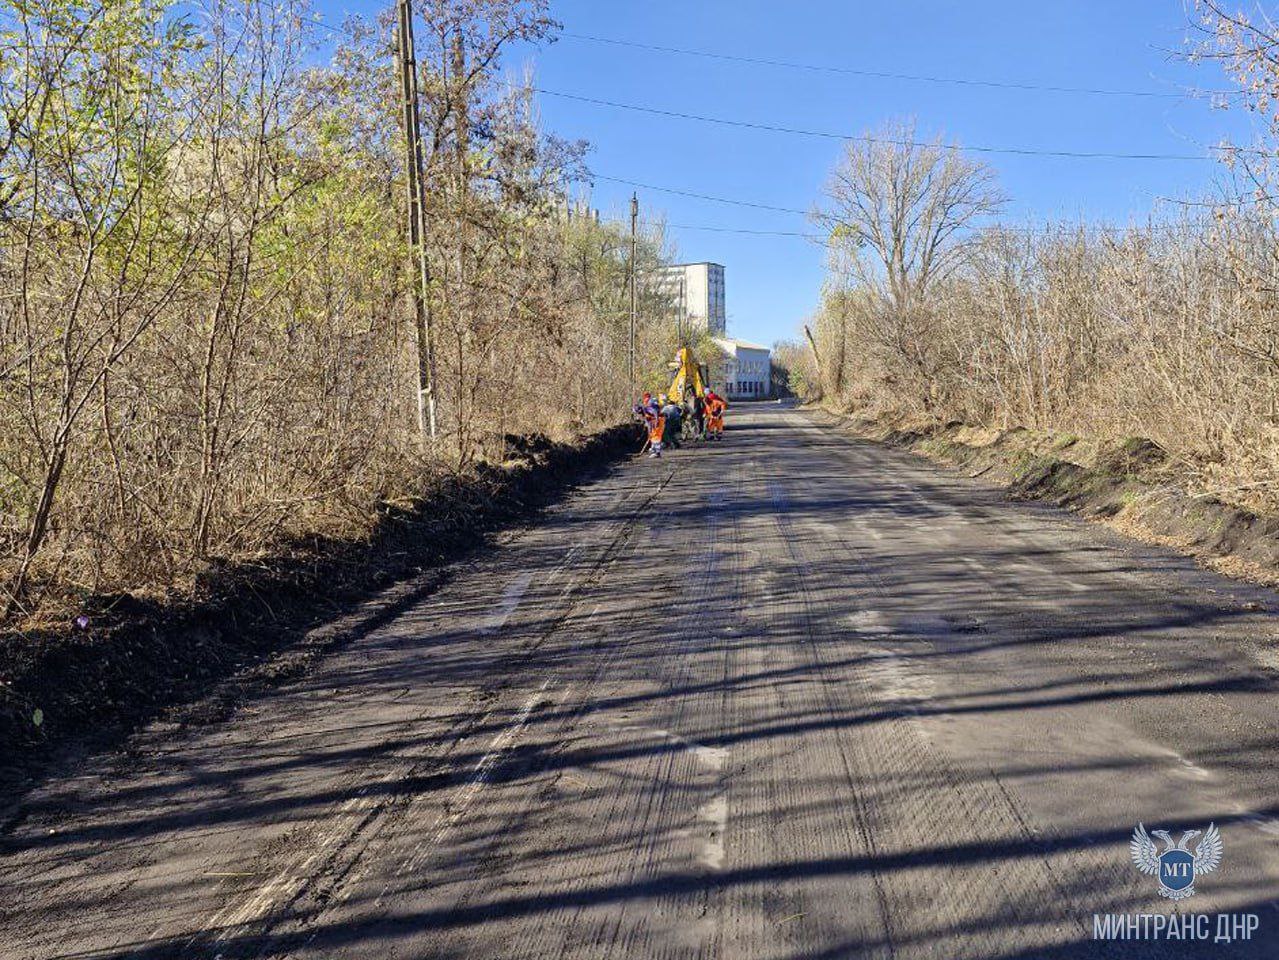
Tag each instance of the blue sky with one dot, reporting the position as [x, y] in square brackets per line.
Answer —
[773, 283]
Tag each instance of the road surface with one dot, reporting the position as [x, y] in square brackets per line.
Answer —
[794, 695]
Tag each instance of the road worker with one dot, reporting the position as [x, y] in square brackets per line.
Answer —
[697, 417]
[671, 412]
[650, 413]
[656, 427]
[715, 407]
[646, 406]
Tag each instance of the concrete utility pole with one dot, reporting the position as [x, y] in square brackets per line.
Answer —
[634, 223]
[417, 222]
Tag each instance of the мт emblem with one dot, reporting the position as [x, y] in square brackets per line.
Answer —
[1176, 868]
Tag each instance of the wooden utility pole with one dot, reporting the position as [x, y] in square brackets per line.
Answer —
[461, 122]
[634, 223]
[417, 223]
[817, 358]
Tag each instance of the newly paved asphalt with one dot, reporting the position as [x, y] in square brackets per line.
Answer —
[793, 695]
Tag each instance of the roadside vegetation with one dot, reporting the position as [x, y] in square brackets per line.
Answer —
[207, 341]
[1166, 329]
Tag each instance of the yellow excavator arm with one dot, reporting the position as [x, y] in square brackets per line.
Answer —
[688, 380]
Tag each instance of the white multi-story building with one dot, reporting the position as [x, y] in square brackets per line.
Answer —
[696, 294]
[696, 291]
[748, 369]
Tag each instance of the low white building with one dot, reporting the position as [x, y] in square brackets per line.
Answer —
[748, 369]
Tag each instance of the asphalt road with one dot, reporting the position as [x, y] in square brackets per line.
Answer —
[789, 696]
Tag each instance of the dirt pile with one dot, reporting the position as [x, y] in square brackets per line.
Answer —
[1131, 483]
[125, 659]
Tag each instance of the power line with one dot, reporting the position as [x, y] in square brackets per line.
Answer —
[311, 22]
[824, 134]
[1217, 204]
[886, 75]
[875, 74]
[756, 233]
[1026, 229]
[818, 237]
[1047, 229]
[797, 131]
[698, 196]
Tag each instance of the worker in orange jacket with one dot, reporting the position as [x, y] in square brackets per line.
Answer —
[656, 428]
[715, 407]
[648, 411]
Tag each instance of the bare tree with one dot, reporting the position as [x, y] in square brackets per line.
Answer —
[900, 214]
[1246, 46]
[1165, 330]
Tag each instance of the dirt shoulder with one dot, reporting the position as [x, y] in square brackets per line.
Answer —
[127, 661]
[1131, 484]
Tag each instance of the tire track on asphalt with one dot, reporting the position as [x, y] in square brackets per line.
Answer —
[585, 932]
[336, 850]
[659, 811]
[1092, 870]
[895, 748]
[1038, 528]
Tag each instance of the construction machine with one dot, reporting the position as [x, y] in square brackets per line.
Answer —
[691, 377]
[687, 388]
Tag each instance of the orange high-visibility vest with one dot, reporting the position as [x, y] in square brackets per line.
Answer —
[715, 410]
[656, 425]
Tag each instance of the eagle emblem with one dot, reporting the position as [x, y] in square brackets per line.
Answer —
[1176, 868]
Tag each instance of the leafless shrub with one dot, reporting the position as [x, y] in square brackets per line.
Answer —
[1155, 331]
